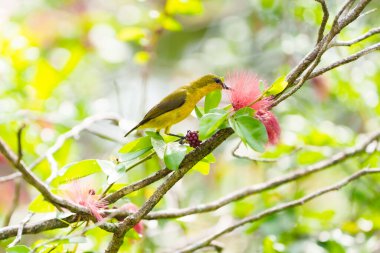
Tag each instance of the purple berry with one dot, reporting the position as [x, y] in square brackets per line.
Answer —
[192, 138]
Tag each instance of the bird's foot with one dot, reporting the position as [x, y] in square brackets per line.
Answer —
[191, 137]
[175, 135]
[181, 139]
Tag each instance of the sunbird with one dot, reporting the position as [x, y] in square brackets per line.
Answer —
[178, 105]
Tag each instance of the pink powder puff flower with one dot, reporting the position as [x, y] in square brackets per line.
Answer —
[83, 195]
[271, 124]
[245, 89]
[129, 207]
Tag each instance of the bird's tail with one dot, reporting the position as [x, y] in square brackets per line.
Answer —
[130, 131]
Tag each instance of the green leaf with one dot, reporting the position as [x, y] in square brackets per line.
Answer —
[212, 100]
[78, 170]
[132, 234]
[199, 112]
[210, 122]
[133, 155]
[202, 167]
[278, 86]
[117, 186]
[333, 246]
[19, 249]
[158, 144]
[113, 171]
[141, 57]
[245, 111]
[135, 148]
[268, 245]
[188, 7]
[133, 163]
[243, 208]
[210, 158]
[132, 33]
[40, 205]
[174, 154]
[170, 23]
[251, 131]
[227, 107]
[136, 145]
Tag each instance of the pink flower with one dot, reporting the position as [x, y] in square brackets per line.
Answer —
[83, 195]
[271, 124]
[129, 207]
[245, 89]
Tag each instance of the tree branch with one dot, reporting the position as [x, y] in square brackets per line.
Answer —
[38, 227]
[17, 187]
[311, 60]
[263, 159]
[188, 162]
[279, 208]
[254, 189]
[324, 19]
[51, 224]
[113, 197]
[346, 60]
[33, 180]
[10, 177]
[357, 40]
[20, 229]
[83, 125]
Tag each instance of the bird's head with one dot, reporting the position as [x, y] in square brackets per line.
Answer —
[210, 82]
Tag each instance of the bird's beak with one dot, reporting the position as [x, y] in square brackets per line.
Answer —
[224, 86]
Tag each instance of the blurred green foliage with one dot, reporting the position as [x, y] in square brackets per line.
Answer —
[64, 60]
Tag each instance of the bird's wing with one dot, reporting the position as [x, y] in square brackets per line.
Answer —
[169, 103]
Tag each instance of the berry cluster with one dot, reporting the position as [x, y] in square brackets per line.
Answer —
[192, 138]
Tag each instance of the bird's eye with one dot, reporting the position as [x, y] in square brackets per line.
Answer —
[217, 80]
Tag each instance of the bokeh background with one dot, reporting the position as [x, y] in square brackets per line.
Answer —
[62, 61]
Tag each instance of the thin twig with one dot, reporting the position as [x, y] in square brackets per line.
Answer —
[138, 162]
[115, 196]
[20, 229]
[311, 60]
[356, 40]
[73, 132]
[86, 123]
[279, 208]
[34, 181]
[346, 6]
[16, 197]
[346, 60]
[262, 159]
[17, 186]
[324, 19]
[10, 177]
[19, 143]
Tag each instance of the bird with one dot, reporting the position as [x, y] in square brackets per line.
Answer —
[179, 104]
